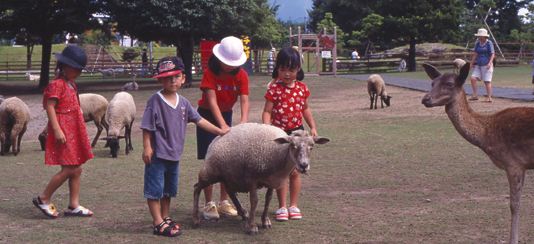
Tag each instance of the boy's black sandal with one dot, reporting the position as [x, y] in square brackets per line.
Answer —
[171, 222]
[166, 231]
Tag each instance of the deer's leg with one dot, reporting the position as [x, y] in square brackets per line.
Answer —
[266, 222]
[516, 179]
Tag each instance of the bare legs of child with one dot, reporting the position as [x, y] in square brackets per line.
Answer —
[163, 225]
[214, 211]
[72, 173]
[283, 214]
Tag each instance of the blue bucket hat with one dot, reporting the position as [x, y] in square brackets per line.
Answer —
[73, 56]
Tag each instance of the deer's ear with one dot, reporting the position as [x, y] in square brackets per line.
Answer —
[431, 71]
[464, 72]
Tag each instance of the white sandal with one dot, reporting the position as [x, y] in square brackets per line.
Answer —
[47, 209]
[78, 212]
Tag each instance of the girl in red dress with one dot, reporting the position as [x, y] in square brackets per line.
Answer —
[67, 142]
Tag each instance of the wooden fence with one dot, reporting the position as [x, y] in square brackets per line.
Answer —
[261, 65]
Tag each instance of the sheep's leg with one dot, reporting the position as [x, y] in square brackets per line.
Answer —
[130, 136]
[266, 222]
[371, 96]
[240, 210]
[252, 228]
[105, 124]
[98, 132]
[195, 218]
[376, 100]
[126, 139]
[2, 143]
[19, 139]
[18, 129]
[516, 180]
[382, 101]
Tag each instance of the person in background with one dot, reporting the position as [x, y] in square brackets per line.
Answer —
[483, 70]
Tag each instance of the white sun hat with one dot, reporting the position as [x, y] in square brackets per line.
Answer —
[482, 32]
[230, 51]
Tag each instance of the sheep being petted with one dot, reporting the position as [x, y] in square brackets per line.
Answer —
[14, 119]
[376, 87]
[252, 156]
[121, 114]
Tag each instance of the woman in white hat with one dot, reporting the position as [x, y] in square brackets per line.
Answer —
[484, 55]
[222, 84]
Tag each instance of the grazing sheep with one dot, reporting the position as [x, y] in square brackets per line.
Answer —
[458, 64]
[121, 114]
[377, 87]
[32, 77]
[14, 119]
[252, 156]
[106, 73]
[131, 86]
[94, 108]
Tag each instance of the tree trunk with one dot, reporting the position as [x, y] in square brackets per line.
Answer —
[185, 49]
[29, 51]
[411, 55]
[45, 61]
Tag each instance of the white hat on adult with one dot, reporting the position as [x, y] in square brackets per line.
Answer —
[482, 32]
[230, 51]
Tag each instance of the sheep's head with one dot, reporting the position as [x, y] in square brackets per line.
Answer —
[387, 99]
[445, 87]
[113, 143]
[300, 146]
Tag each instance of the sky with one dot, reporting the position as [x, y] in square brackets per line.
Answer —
[294, 10]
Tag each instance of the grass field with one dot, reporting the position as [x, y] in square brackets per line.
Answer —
[401, 174]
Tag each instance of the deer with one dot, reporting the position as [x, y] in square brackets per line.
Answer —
[507, 136]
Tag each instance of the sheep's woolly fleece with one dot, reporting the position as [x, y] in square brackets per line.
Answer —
[256, 146]
[121, 111]
[375, 84]
[15, 112]
[93, 106]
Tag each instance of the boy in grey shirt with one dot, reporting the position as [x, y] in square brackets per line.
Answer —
[164, 125]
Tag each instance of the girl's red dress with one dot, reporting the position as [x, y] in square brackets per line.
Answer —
[77, 149]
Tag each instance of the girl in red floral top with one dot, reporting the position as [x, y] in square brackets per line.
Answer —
[285, 105]
[67, 142]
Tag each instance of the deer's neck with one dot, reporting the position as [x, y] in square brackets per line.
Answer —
[470, 124]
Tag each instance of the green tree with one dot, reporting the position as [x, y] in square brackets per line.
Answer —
[42, 19]
[328, 24]
[180, 22]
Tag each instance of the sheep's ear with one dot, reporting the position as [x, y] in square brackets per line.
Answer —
[431, 71]
[120, 137]
[104, 138]
[320, 140]
[282, 140]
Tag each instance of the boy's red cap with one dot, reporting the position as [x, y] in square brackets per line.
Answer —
[169, 66]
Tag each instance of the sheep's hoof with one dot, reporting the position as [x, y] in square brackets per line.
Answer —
[253, 231]
[267, 224]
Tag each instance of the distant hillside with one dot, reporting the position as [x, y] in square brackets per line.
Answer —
[294, 10]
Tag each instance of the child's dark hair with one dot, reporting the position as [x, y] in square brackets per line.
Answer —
[58, 71]
[214, 64]
[288, 57]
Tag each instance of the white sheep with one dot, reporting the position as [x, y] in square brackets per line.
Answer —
[32, 77]
[131, 86]
[14, 119]
[458, 64]
[252, 156]
[377, 87]
[121, 114]
[106, 73]
[94, 108]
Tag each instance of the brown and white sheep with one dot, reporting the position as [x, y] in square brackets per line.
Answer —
[458, 64]
[252, 156]
[14, 119]
[377, 87]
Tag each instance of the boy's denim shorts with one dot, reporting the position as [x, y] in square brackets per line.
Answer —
[161, 178]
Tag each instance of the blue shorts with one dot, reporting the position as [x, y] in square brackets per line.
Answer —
[205, 138]
[161, 178]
